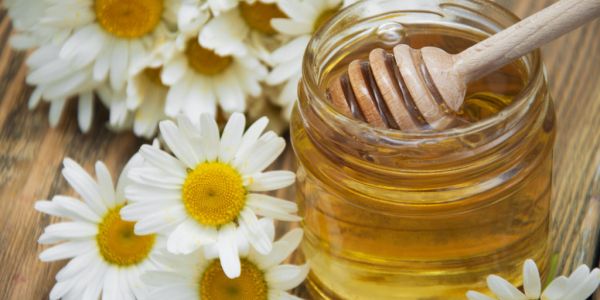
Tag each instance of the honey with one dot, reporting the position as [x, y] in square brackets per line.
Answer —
[422, 215]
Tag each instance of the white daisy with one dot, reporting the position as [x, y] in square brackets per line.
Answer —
[229, 33]
[106, 256]
[146, 95]
[305, 17]
[57, 80]
[193, 276]
[199, 79]
[579, 286]
[206, 193]
[110, 36]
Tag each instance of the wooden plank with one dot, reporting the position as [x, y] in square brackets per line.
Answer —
[31, 155]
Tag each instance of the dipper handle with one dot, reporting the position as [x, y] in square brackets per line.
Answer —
[524, 36]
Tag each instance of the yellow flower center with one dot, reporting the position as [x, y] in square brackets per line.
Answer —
[251, 285]
[213, 193]
[153, 75]
[258, 15]
[205, 61]
[129, 18]
[118, 243]
[324, 17]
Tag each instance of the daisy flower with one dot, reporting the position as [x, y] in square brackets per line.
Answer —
[193, 276]
[579, 286]
[199, 78]
[146, 95]
[106, 256]
[110, 36]
[305, 17]
[206, 193]
[229, 33]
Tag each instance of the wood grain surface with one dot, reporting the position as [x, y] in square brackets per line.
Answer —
[31, 154]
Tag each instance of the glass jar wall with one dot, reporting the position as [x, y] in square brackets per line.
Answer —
[422, 215]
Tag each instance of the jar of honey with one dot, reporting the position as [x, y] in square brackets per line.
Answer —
[424, 214]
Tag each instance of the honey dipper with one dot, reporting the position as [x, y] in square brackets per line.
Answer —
[414, 89]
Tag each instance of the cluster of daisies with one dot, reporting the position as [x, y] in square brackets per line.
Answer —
[183, 223]
[149, 60]
[179, 224]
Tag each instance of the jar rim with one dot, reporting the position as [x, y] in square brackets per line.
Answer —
[519, 107]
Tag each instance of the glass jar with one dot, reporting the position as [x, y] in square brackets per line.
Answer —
[422, 215]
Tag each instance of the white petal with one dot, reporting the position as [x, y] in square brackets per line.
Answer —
[585, 288]
[67, 231]
[192, 133]
[74, 209]
[503, 289]
[250, 138]
[282, 249]
[146, 193]
[61, 288]
[228, 251]
[263, 154]
[291, 27]
[66, 250]
[175, 97]
[51, 71]
[155, 178]
[232, 137]
[119, 65]
[105, 182]
[531, 280]
[95, 279]
[164, 161]
[556, 289]
[472, 295]
[178, 143]
[272, 207]
[189, 236]
[285, 277]
[110, 290]
[225, 34]
[56, 109]
[210, 136]
[83, 184]
[102, 64]
[269, 181]
[298, 10]
[257, 238]
[230, 93]
[190, 17]
[174, 70]
[85, 111]
[75, 266]
[35, 98]
[160, 220]
[578, 276]
[180, 291]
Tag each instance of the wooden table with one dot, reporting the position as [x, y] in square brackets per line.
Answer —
[31, 155]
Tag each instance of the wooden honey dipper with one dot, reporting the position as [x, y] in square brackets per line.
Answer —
[415, 89]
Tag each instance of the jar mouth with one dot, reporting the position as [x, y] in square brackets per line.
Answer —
[515, 111]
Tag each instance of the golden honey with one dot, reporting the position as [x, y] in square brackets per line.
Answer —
[422, 215]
